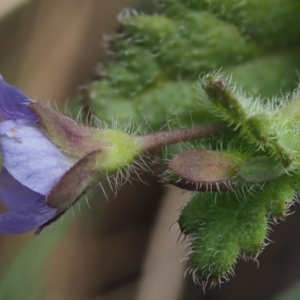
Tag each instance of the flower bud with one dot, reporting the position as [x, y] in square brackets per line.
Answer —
[224, 101]
[205, 168]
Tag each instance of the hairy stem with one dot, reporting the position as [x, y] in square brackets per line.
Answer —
[165, 138]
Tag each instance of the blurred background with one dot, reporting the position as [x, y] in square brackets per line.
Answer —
[122, 247]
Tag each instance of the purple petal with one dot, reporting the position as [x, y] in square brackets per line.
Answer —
[26, 217]
[30, 157]
[13, 103]
[13, 193]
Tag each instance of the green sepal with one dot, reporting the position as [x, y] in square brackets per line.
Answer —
[259, 169]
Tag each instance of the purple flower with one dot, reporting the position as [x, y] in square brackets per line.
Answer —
[32, 165]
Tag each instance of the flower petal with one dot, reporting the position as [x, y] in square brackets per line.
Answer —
[13, 103]
[13, 193]
[30, 157]
[26, 217]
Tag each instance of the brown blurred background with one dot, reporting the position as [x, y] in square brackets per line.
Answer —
[122, 248]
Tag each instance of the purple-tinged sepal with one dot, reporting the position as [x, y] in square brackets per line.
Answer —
[119, 151]
[76, 181]
[72, 137]
[202, 170]
[79, 140]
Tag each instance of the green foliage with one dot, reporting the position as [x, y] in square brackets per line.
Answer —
[224, 226]
[158, 58]
[269, 23]
[153, 75]
[262, 124]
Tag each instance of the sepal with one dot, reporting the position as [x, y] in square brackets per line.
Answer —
[259, 169]
[71, 136]
[75, 182]
[202, 169]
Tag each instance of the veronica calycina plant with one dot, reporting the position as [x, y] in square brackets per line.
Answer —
[246, 176]
[244, 162]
